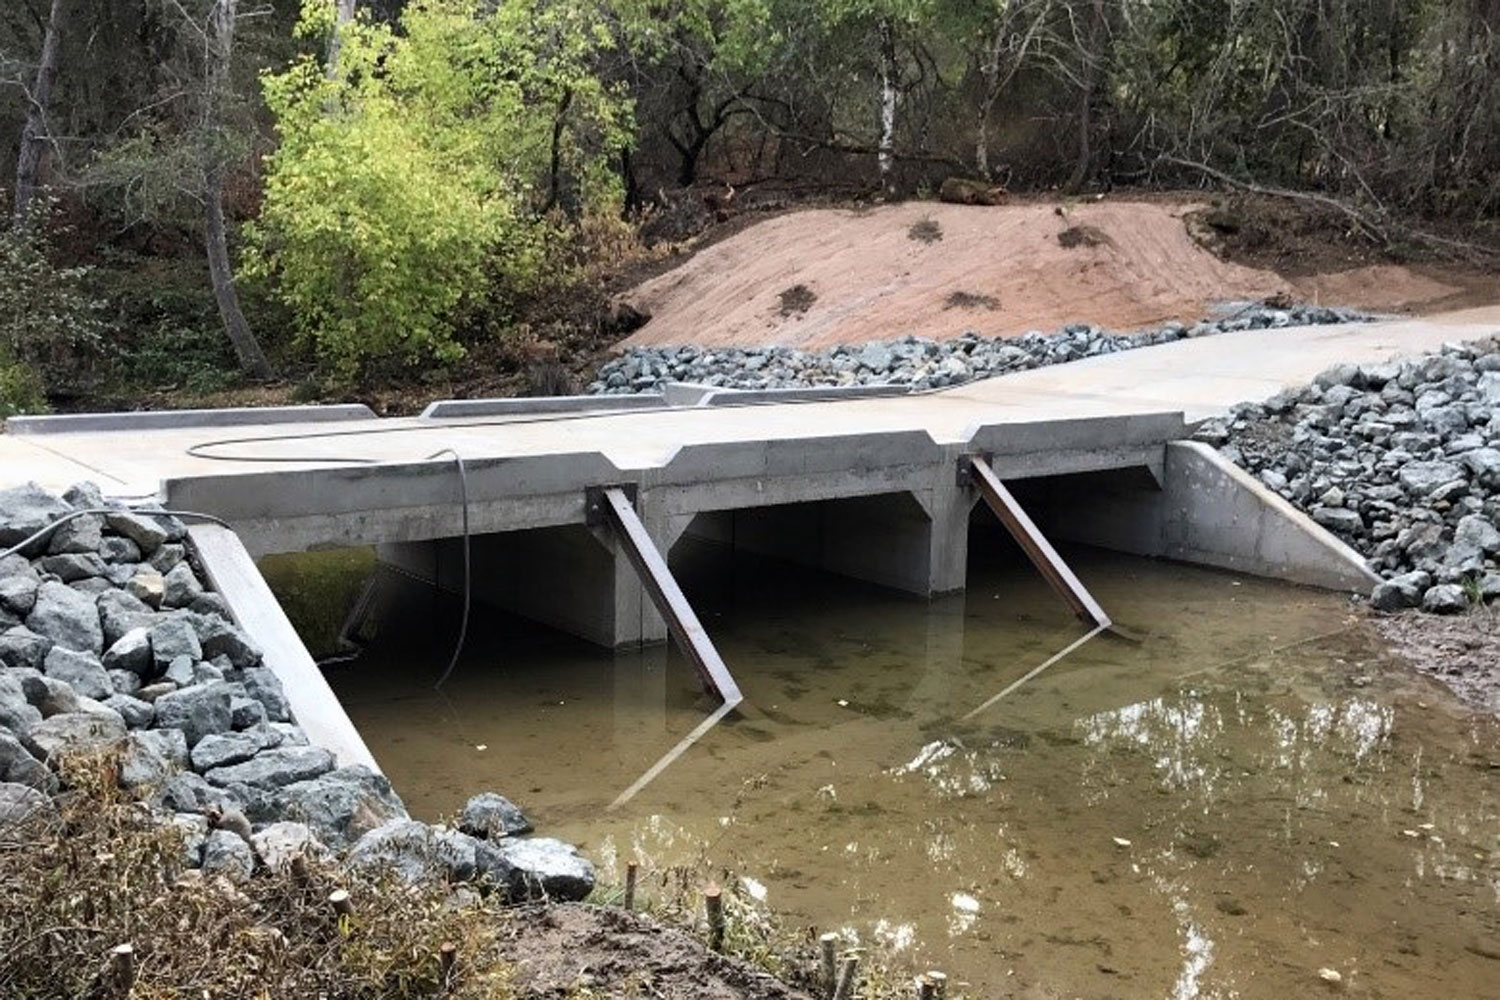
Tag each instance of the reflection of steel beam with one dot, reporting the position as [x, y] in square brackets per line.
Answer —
[975, 470]
[613, 503]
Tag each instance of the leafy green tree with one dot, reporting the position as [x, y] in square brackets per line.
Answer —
[407, 192]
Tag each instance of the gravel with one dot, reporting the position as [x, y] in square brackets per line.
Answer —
[918, 362]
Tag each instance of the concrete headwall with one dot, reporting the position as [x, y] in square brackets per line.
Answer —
[1210, 512]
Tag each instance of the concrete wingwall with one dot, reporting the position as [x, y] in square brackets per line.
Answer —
[1210, 512]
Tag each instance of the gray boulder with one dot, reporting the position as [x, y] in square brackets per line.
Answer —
[193, 829]
[274, 768]
[341, 806]
[145, 761]
[144, 531]
[1404, 591]
[25, 510]
[1339, 520]
[73, 566]
[180, 587]
[22, 806]
[17, 713]
[119, 551]
[1484, 465]
[416, 851]
[21, 647]
[18, 766]
[69, 618]
[539, 868]
[1424, 478]
[137, 714]
[224, 749]
[147, 586]
[246, 713]
[279, 843]
[82, 671]
[73, 732]
[18, 592]
[198, 710]
[131, 652]
[265, 687]
[1445, 599]
[222, 638]
[119, 612]
[188, 792]
[491, 816]
[171, 638]
[226, 853]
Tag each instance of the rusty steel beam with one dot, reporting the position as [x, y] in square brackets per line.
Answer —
[682, 621]
[976, 470]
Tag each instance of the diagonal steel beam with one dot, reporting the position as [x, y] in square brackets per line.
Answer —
[976, 469]
[682, 621]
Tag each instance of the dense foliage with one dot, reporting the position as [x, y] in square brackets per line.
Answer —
[409, 186]
[436, 175]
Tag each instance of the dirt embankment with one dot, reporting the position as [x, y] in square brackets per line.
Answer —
[827, 276]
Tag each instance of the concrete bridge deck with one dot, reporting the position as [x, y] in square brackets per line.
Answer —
[864, 486]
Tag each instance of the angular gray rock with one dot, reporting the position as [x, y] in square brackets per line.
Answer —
[491, 816]
[198, 710]
[132, 653]
[137, 714]
[265, 687]
[194, 832]
[540, 868]
[18, 766]
[17, 713]
[173, 637]
[279, 843]
[1445, 599]
[72, 732]
[340, 806]
[18, 592]
[180, 587]
[226, 853]
[121, 551]
[119, 612]
[143, 531]
[70, 619]
[1404, 591]
[246, 712]
[73, 567]
[222, 638]
[25, 510]
[82, 671]
[1423, 478]
[274, 768]
[223, 749]
[21, 647]
[21, 806]
[144, 762]
[147, 586]
[84, 533]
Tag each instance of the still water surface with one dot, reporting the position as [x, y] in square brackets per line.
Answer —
[1251, 794]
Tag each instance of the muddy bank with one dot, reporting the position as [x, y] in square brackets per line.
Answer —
[1461, 651]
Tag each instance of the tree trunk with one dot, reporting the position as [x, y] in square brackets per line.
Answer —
[34, 137]
[886, 157]
[343, 13]
[220, 45]
[1093, 56]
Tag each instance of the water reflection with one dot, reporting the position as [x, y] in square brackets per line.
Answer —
[1212, 813]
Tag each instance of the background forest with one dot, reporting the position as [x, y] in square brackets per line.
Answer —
[211, 193]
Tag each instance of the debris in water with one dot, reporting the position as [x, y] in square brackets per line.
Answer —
[481, 746]
[843, 703]
[1330, 976]
[1410, 833]
[1121, 842]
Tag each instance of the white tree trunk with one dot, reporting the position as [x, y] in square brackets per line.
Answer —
[343, 13]
[34, 132]
[886, 156]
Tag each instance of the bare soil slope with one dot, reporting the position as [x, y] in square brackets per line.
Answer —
[871, 275]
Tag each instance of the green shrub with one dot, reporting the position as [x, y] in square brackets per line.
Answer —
[402, 200]
[20, 388]
[49, 321]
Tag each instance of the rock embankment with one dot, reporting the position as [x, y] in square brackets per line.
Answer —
[1400, 460]
[110, 642]
[916, 361]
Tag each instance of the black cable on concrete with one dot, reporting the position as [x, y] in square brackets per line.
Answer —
[54, 525]
[463, 625]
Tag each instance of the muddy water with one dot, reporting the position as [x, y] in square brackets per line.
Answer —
[1249, 796]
